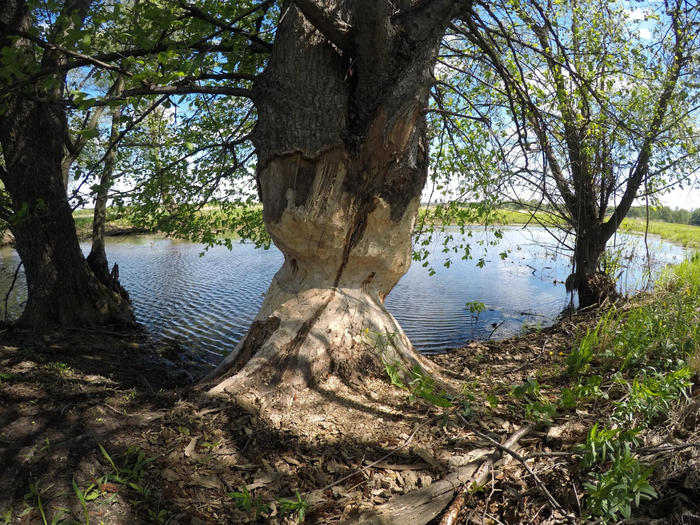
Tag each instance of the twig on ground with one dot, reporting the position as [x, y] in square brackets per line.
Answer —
[488, 498]
[452, 514]
[114, 409]
[518, 457]
[578, 500]
[646, 451]
[385, 456]
[553, 454]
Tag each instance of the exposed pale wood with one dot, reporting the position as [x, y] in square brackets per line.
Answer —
[421, 506]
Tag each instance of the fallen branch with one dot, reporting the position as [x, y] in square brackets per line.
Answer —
[517, 456]
[421, 506]
[647, 451]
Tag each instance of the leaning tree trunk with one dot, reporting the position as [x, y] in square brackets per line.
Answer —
[61, 288]
[342, 160]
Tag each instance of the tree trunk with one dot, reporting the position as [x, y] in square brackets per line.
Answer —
[61, 288]
[97, 258]
[342, 160]
[592, 286]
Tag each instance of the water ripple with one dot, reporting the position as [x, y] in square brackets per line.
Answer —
[205, 304]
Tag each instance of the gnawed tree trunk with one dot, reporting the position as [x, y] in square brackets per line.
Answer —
[342, 160]
[62, 290]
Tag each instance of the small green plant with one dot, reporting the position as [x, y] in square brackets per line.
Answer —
[538, 408]
[91, 493]
[603, 443]
[581, 356]
[651, 395]
[392, 370]
[540, 412]
[132, 466]
[290, 506]
[160, 516]
[569, 399]
[530, 388]
[492, 400]
[611, 263]
[244, 500]
[590, 389]
[422, 385]
[33, 501]
[475, 308]
[612, 492]
[6, 517]
[63, 369]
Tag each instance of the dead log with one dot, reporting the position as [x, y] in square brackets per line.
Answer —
[421, 506]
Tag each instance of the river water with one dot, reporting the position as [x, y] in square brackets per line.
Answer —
[205, 303]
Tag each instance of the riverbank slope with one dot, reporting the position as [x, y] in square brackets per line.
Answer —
[100, 427]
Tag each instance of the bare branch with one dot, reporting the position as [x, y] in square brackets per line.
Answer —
[196, 12]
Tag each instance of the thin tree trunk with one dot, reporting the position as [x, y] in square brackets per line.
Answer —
[97, 258]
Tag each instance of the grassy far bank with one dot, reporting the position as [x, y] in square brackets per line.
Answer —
[683, 234]
[609, 394]
[83, 224]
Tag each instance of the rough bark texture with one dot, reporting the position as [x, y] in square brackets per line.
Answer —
[61, 287]
[342, 162]
[592, 286]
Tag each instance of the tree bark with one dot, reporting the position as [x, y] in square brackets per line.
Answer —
[592, 286]
[61, 288]
[342, 160]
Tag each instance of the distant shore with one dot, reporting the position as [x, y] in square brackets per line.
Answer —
[685, 235]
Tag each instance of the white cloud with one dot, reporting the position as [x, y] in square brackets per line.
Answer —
[636, 14]
[644, 33]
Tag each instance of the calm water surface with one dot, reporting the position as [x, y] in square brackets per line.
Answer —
[206, 302]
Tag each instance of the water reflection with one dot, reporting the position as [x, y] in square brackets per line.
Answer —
[206, 302]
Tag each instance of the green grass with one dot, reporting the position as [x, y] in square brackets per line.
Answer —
[83, 222]
[684, 234]
[644, 355]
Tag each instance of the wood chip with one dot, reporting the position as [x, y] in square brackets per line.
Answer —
[191, 446]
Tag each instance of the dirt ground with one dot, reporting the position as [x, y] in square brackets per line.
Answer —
[98, 427]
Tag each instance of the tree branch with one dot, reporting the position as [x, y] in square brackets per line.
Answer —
[640, 171]
[196, 12]
[184, 89]
[422, 20]
[326, 21]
